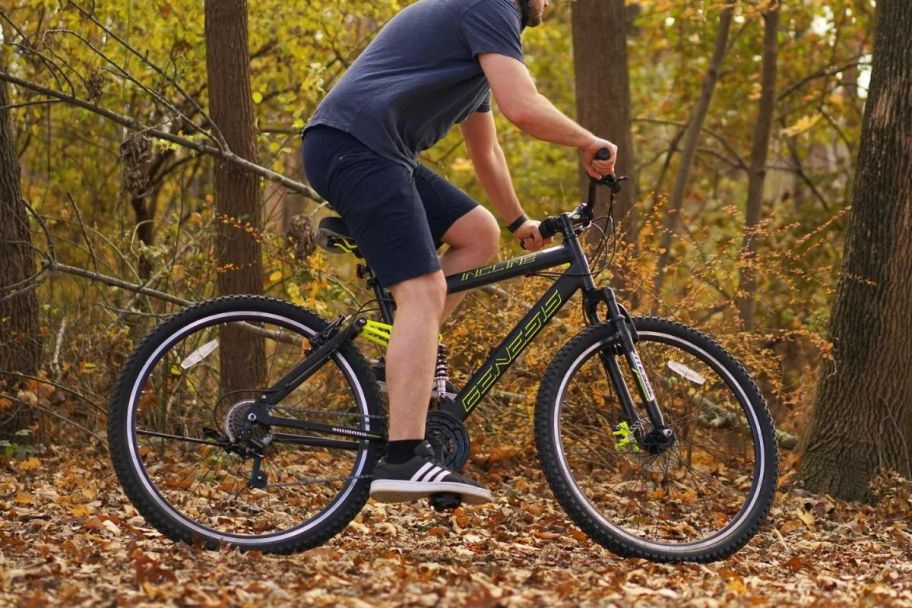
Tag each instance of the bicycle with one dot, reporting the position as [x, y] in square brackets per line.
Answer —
[251, 422]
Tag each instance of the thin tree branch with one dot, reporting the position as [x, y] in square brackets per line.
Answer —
[131, 123]
[55, 415]
[13, 106]
[115, 282]
[217, 134]
[822, 73]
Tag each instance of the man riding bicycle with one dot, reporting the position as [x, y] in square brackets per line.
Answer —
[435, 64]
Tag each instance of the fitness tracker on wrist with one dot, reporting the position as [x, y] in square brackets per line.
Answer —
[517, 223]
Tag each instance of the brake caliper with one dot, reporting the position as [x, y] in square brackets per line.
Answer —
[626, 442]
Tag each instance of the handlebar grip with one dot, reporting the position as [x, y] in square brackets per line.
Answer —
[603, 154]
[549, 227]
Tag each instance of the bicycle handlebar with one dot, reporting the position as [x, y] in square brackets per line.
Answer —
[583, 215]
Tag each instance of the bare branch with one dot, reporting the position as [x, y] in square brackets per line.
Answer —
[822, 73]
[145, 59]
[725, 144]
[115, 282]
[13, 106]
[155, 95]
[55, 415]
[131, 123]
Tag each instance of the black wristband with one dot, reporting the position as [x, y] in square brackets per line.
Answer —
[522, 219]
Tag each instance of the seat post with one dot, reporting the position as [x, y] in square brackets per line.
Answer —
[384, 298]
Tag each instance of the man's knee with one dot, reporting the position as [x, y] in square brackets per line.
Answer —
[427, 290]
[478, 231]
[489, 236]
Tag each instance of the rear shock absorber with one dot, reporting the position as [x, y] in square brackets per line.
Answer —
[441, 376]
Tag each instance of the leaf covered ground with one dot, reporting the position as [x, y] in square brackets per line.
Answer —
[69, 537]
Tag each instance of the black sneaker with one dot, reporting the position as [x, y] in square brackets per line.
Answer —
[422, 476]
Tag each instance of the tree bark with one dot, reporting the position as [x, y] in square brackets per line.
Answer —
[862, 420]
[747, 301]
[242, 360]
[603, 94]
[20, 340]
[689, 147]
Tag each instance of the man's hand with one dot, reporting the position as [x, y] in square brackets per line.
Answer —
[598, 168]
[529, 237]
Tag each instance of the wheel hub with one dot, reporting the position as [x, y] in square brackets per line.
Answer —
[239, 428]
[658, 440]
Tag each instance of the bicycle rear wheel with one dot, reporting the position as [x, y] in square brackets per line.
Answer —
[194, 465]
[702, 498]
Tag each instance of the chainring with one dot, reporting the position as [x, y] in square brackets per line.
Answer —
[449, 438]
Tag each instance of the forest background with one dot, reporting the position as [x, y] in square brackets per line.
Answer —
[741, 134]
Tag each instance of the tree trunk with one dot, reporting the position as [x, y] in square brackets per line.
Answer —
[603, 95]
[20, 341]
[236, 191]
[863, 414]
[747, 302]
[689, 149]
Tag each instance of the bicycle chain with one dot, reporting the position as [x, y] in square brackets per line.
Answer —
[310, 481]
[314, 411]
[283, 408]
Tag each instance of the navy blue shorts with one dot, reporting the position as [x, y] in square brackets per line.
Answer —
[397, 217]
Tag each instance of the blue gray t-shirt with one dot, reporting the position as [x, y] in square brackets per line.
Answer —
[420, 75]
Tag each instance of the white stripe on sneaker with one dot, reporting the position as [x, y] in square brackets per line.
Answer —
[421, 471]
[430, 474]
[440, 476]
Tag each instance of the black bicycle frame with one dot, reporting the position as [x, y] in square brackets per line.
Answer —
[576, 277]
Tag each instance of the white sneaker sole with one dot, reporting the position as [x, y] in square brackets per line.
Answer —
[393, 490]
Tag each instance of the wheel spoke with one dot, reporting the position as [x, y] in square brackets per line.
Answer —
[177, 437]
[200, 480]
[670, 498]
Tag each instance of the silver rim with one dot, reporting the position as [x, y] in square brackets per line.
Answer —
[759, 453]
[152, 492]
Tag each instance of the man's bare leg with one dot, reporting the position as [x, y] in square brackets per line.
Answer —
[421, 306]
[412, 353]
[473, 240]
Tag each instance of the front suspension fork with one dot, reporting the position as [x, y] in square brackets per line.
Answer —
[620, 320]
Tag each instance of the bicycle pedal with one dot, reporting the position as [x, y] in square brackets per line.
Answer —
[445, 501]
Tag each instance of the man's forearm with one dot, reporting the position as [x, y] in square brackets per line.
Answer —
[542, 120]
[494, 175]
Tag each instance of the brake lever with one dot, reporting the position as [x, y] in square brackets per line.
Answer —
[613, 182]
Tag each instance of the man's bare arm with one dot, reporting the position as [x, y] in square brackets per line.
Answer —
[480, 135]
[524, 106]
[487, 157]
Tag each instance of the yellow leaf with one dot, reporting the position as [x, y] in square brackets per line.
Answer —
[29, 464]
[805, 516]
[805, 123]
[81, 510]
[257, 97]
[275, 276]
[23, 498]
[736, 585]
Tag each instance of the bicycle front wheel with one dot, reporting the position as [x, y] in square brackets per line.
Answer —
[197, 467]
[699, 499]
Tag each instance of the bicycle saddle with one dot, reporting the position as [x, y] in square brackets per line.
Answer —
[333, 236]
